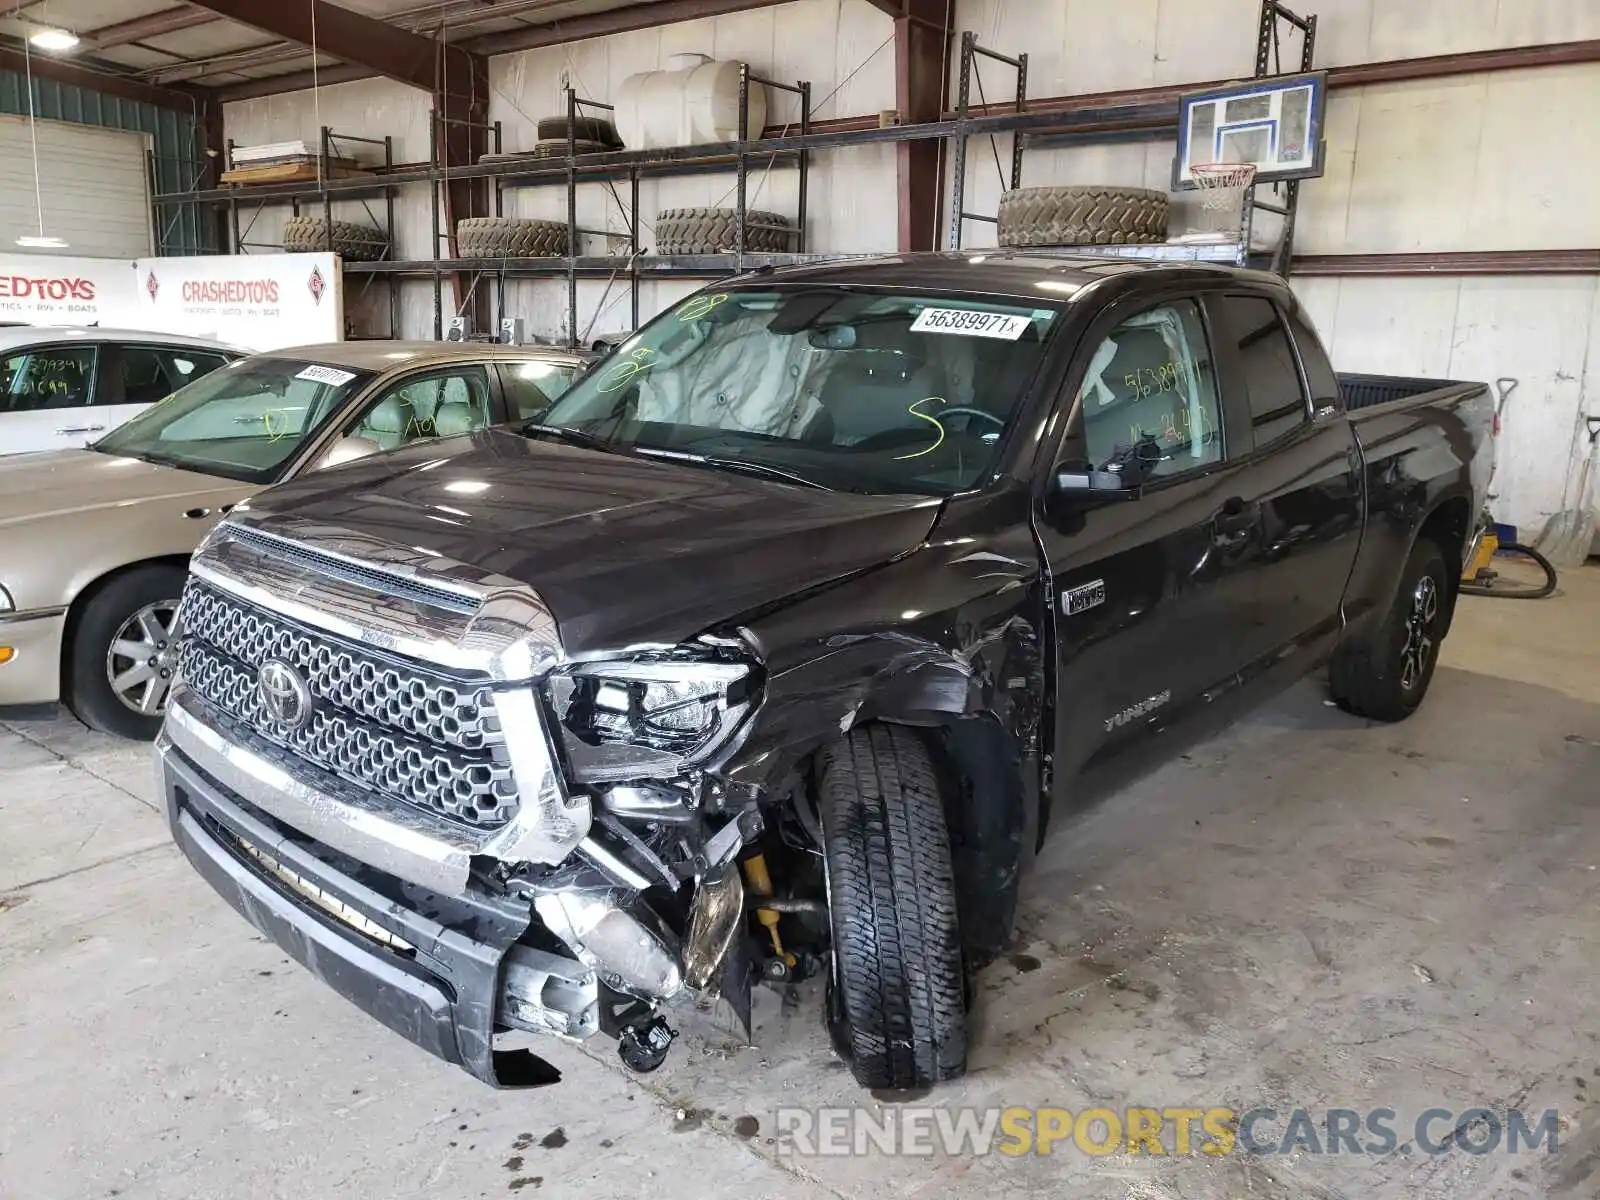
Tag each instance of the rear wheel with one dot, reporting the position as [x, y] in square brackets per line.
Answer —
[896, 1005]
[1386, 674]
[123, 655]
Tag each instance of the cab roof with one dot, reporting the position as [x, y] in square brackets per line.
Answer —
[1015, 274]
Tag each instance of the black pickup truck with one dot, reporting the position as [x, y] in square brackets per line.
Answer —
[774, 647]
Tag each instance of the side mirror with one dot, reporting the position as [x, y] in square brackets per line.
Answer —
[1092, 486]
[348, 450]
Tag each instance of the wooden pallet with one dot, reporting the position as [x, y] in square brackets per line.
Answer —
[295, 172]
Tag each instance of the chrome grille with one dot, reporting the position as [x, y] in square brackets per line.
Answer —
[386, 725]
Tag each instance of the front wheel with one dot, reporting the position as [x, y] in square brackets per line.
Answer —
[123, 655]
[1386, 674]
[896, 1002]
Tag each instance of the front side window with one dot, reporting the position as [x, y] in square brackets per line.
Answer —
[842, 389]
[242, 421]
[1272, 377]
[48, 377]
[1151, 381]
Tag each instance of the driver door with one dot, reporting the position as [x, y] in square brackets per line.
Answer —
[1149, 594]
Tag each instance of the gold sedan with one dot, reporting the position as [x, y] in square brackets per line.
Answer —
[95, 543]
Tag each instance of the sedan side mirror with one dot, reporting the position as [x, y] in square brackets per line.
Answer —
[348, 450]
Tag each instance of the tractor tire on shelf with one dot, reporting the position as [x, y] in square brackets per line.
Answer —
[585, 129]
[356, 243]
[510, 237]
[1082, 216]
[713, 231]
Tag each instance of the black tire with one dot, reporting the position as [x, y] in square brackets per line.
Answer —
[89, 691]
[356, 243]
[510, 237]
[1502, 588]
[1381, 675]
[714, 231]
[586, 129]
[896, 1001]
[1082, 216]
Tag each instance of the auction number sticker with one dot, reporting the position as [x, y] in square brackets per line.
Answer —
[969, 322]
[331, 376]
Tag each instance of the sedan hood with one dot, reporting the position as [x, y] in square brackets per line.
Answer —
[62, 483]
[624, 550]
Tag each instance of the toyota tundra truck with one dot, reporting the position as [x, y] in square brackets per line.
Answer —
[776, 646]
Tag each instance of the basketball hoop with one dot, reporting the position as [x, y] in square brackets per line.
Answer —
[1220, 184]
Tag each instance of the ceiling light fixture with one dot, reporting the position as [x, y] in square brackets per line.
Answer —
[54, 39]
[39, 241]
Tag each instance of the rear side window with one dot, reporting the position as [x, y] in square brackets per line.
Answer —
[532, 387]
[1272, 376]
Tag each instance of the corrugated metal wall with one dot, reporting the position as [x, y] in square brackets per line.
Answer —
[179, 160]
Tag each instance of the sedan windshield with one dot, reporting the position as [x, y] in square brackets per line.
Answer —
[847, 390]
[244, 421]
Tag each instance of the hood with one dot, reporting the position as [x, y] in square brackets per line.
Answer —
[62, 483]
[623, 550]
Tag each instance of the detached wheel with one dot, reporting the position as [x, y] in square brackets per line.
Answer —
[122, 657]
[1385, 675]
[896, 1005]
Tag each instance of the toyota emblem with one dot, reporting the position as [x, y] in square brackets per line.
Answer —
[284, 695]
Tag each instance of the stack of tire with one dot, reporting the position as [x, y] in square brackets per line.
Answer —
[590, 135]
[715, 231]
[350, 241]
[510, 237]
[1082, 216]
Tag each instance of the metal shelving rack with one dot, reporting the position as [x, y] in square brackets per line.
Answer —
[1032, 128]
[574, 170]
[1126, 123]
[365, 188]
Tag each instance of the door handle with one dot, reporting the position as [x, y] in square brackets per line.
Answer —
[72, 429]
[1233, 522]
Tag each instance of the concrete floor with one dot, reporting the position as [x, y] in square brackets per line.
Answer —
[1308, 911]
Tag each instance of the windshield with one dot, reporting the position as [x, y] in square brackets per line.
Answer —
[244, 421]
[848, 390]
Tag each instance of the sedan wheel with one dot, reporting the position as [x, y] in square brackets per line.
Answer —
[143, 657]
[121, 655]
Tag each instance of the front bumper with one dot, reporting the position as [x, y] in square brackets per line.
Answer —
[33, 673]
[439, 990]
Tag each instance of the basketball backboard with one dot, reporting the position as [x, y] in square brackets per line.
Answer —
[1274, 122]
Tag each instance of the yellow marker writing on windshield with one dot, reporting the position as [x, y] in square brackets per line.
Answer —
[701, 306]
[275, 417]
[617, 377]
[916, 411]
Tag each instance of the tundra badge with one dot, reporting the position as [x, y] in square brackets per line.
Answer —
[1083, 597]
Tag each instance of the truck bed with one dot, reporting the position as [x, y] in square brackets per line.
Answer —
[1367, 391]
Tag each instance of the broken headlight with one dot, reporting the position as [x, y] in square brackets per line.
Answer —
[647, 718]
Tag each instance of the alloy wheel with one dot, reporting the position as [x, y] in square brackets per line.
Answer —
[1419, 646]
[143, 658]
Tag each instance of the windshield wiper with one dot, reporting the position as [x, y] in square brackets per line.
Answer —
[733, 464]
[563, 433]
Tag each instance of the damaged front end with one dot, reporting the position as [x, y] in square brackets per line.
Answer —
[386, 764]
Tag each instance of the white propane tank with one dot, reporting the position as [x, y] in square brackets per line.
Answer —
[694, 103]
